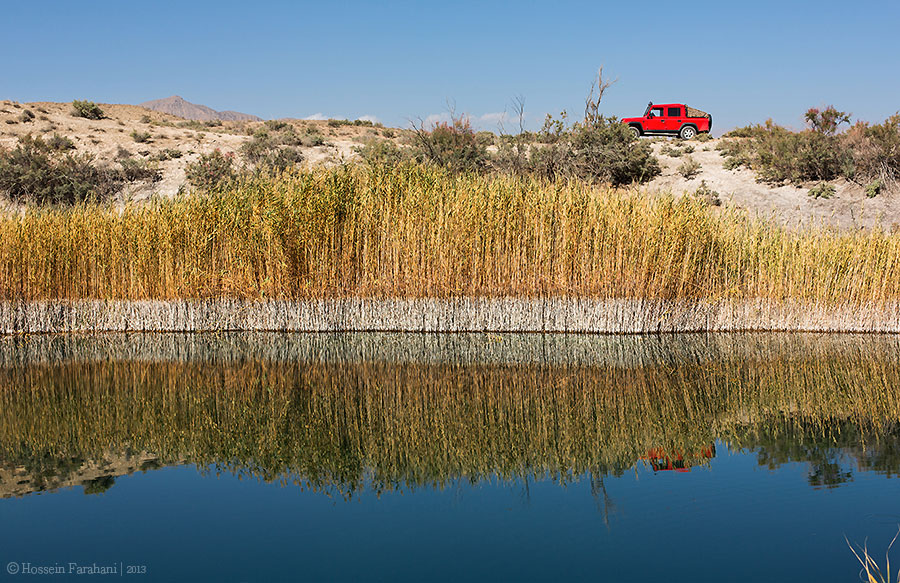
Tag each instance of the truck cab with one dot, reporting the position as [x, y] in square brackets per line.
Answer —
[676, 119]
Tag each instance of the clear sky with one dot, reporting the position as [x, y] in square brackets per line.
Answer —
[743, 61]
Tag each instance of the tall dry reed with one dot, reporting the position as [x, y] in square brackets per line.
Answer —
[416, 231]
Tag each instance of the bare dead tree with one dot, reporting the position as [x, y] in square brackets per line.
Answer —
[595, 95]
[518, 106]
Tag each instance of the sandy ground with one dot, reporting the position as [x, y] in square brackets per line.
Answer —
[103, 139]
[788, 204]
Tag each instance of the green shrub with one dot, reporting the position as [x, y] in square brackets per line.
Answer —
[707, 194]
[826, 121]
[779, 155]
[277, 125]
[704, 137]
[212, 171]
[671, 151]
[140, 137]
[689, 168]
[381, 152]
[34, 172]
[597, 149]
[737, 153]
[167, 154]
[87, 109]
[133, 170]
[607, 150]
[26, 116]
[265, 152]
[485, 138]
[256, 148]
[873, 189]
[287, 137]
[59, 143]
[311, 140]
[750, 131]
[822, 190]
[275, 149]
[782, 155]
[282, 158]
[191, 125]
[336, 123]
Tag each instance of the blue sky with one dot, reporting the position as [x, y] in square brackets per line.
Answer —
[742, 61]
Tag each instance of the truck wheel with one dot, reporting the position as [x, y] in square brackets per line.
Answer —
[687, 132]
[635, 131]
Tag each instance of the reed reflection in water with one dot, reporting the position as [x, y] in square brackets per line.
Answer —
[384, 411]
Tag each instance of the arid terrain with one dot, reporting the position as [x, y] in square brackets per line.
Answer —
[113, 137]
[170, 143]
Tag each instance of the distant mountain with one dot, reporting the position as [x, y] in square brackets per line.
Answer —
[176, 105]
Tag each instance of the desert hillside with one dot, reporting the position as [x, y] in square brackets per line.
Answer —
[169, 143]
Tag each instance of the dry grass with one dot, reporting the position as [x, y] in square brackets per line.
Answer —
[870, 567]
[415, 231]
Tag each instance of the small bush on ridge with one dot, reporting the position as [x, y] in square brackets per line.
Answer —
[689, 168]
[822, 190]
[140, 137]
[87, 109]
[59, 143]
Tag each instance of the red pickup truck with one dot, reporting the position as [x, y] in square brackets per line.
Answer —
[670, 119]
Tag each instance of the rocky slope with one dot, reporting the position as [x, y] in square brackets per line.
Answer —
[178, 106]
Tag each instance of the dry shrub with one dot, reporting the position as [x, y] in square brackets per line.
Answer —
[876, 151]
[867, 154]
[38, 172]
[452, 145]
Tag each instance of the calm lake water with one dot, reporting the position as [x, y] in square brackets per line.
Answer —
[348, 457]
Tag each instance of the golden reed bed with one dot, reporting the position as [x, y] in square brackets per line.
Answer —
[412, 233]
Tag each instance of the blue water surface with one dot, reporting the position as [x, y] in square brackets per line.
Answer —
[731, 521]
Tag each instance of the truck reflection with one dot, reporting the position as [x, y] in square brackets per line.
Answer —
[661, 461]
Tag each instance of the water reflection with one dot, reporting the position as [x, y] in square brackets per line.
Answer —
[386, 412]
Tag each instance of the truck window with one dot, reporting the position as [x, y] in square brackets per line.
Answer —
[674, 112]
[656, 112]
